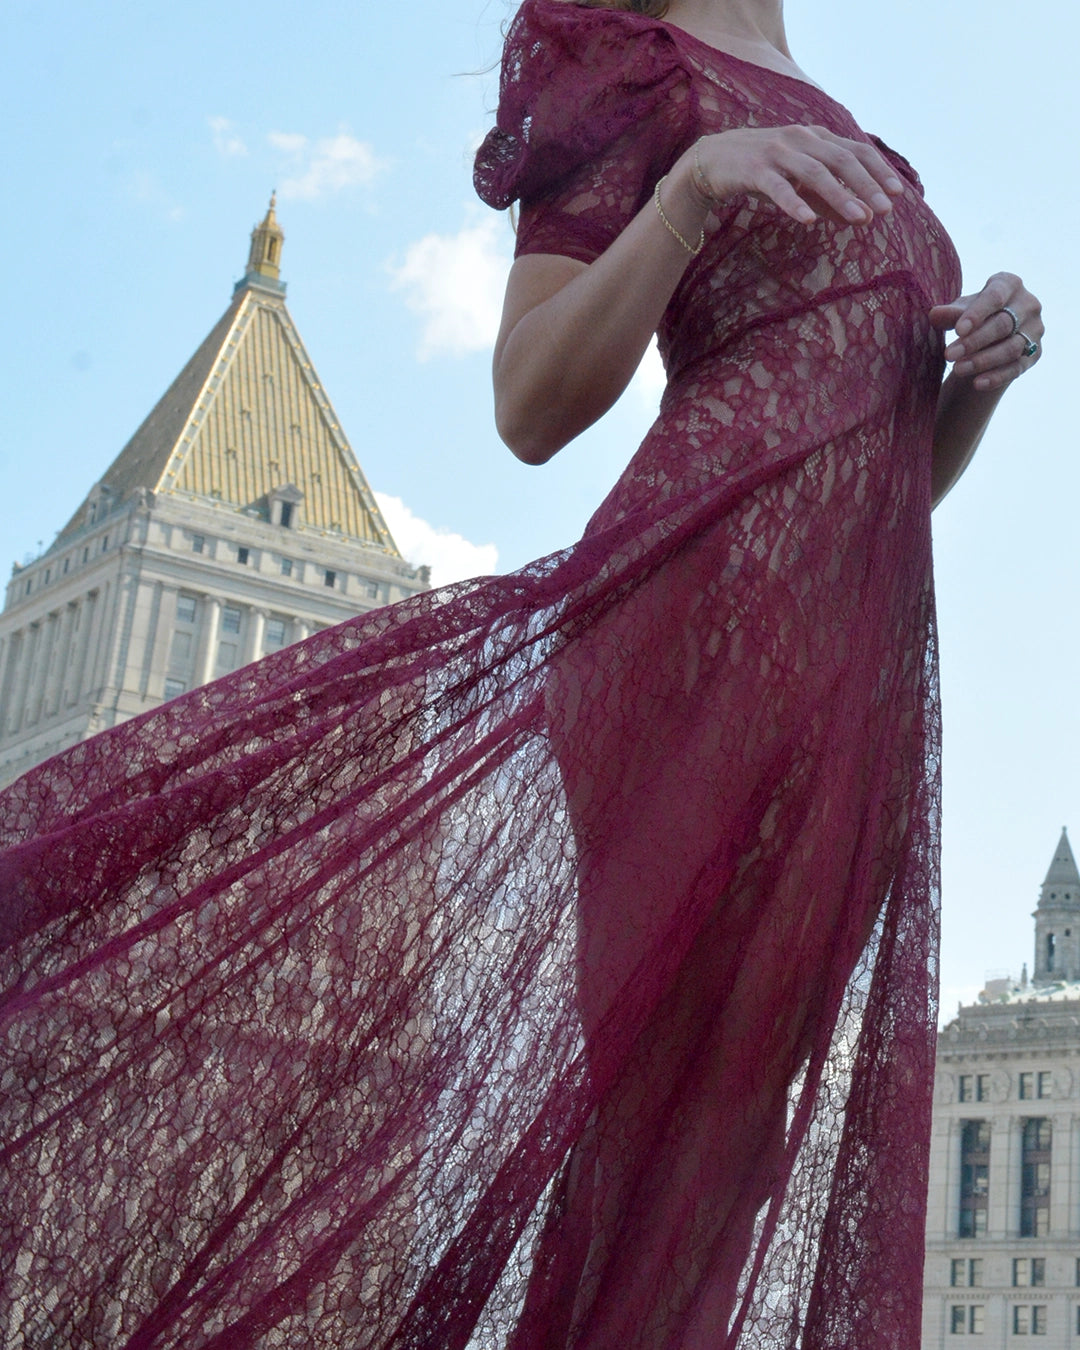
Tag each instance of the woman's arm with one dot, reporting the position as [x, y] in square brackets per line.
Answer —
[989, 352]
[573, 333]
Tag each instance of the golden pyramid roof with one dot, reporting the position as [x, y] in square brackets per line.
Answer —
[247, 417]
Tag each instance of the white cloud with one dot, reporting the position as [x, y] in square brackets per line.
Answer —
[290, 141]
[325, 166]
[456, 282]
[450, 556]
[226, 141]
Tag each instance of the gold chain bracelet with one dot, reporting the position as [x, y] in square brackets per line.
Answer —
[698, 175]
[663, 216]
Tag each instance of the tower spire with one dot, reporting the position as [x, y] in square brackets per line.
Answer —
[1057, 918]
[264, 256]
[1063, 870]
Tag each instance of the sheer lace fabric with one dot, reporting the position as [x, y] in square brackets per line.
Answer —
[547, 961]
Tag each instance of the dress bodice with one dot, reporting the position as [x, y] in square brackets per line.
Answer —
[779, 334]
[597, 104]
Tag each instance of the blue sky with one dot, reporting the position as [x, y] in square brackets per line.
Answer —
[142, 142]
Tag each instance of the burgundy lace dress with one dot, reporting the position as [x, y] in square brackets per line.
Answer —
[548, 961]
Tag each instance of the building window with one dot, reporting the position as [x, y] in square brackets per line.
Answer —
[1043, 1083]
[185, 608]
[275, 633]
[105, 543]
[373, 590]
[330, 578]
[198, 543]
[1029, 1271]
[1027, 1087]
[1050, 945]
[180, 650]
[230, 619]
[286, 567]
[1078, 1319]
[286, 514]
[227, 658]
[85, 554]
[1078, 1272]
[982, 1087]
[29, 583]
[242, 555]
[966, 1271]
[1035, 1178]
[966, 1319]
[1029, 1319]
[66, 562]
[974, 1177]
[173, 688]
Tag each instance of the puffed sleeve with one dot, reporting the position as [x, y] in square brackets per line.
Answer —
[594, 107]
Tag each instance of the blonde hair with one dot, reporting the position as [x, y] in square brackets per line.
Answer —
[655, 9]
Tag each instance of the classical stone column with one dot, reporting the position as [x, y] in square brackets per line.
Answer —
[39, 675]
[1003, 1217]
[158, 654]
[950, 1183]
[1013, 1178]
[1072, 1226]
[253, 638]
[204, 666]
[31, 692]
[148, 626]
[80, 674]
[115, 673]
[1061, 1167]
[22, 643]
[61, 659]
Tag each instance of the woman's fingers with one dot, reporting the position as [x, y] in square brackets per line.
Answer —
[947, 316]
[779, 189]
[850, 186]
[991, 300]
[807, 171]
[1006, 353]
[999, 331]
[864, 170]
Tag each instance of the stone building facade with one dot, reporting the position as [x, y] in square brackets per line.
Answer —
[235, 521]
[1003, 1225]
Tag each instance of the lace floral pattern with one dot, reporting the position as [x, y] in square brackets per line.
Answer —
[547, 961]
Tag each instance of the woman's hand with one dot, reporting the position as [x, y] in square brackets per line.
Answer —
[995, 331]
[572, 334]
[807, 171]
[992, 344]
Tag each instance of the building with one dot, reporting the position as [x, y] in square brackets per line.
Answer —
[235, 521]
[1003, 1226]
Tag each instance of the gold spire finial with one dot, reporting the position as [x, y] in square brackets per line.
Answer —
[264, 260]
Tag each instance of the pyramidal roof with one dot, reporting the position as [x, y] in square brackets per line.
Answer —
[247, 417]
[1063, 870]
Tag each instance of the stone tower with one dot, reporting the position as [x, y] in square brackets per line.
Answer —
[1003, 1219]
[1057, 920]
[235, 521]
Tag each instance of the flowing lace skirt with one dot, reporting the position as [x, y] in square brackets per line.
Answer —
[545, 961]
